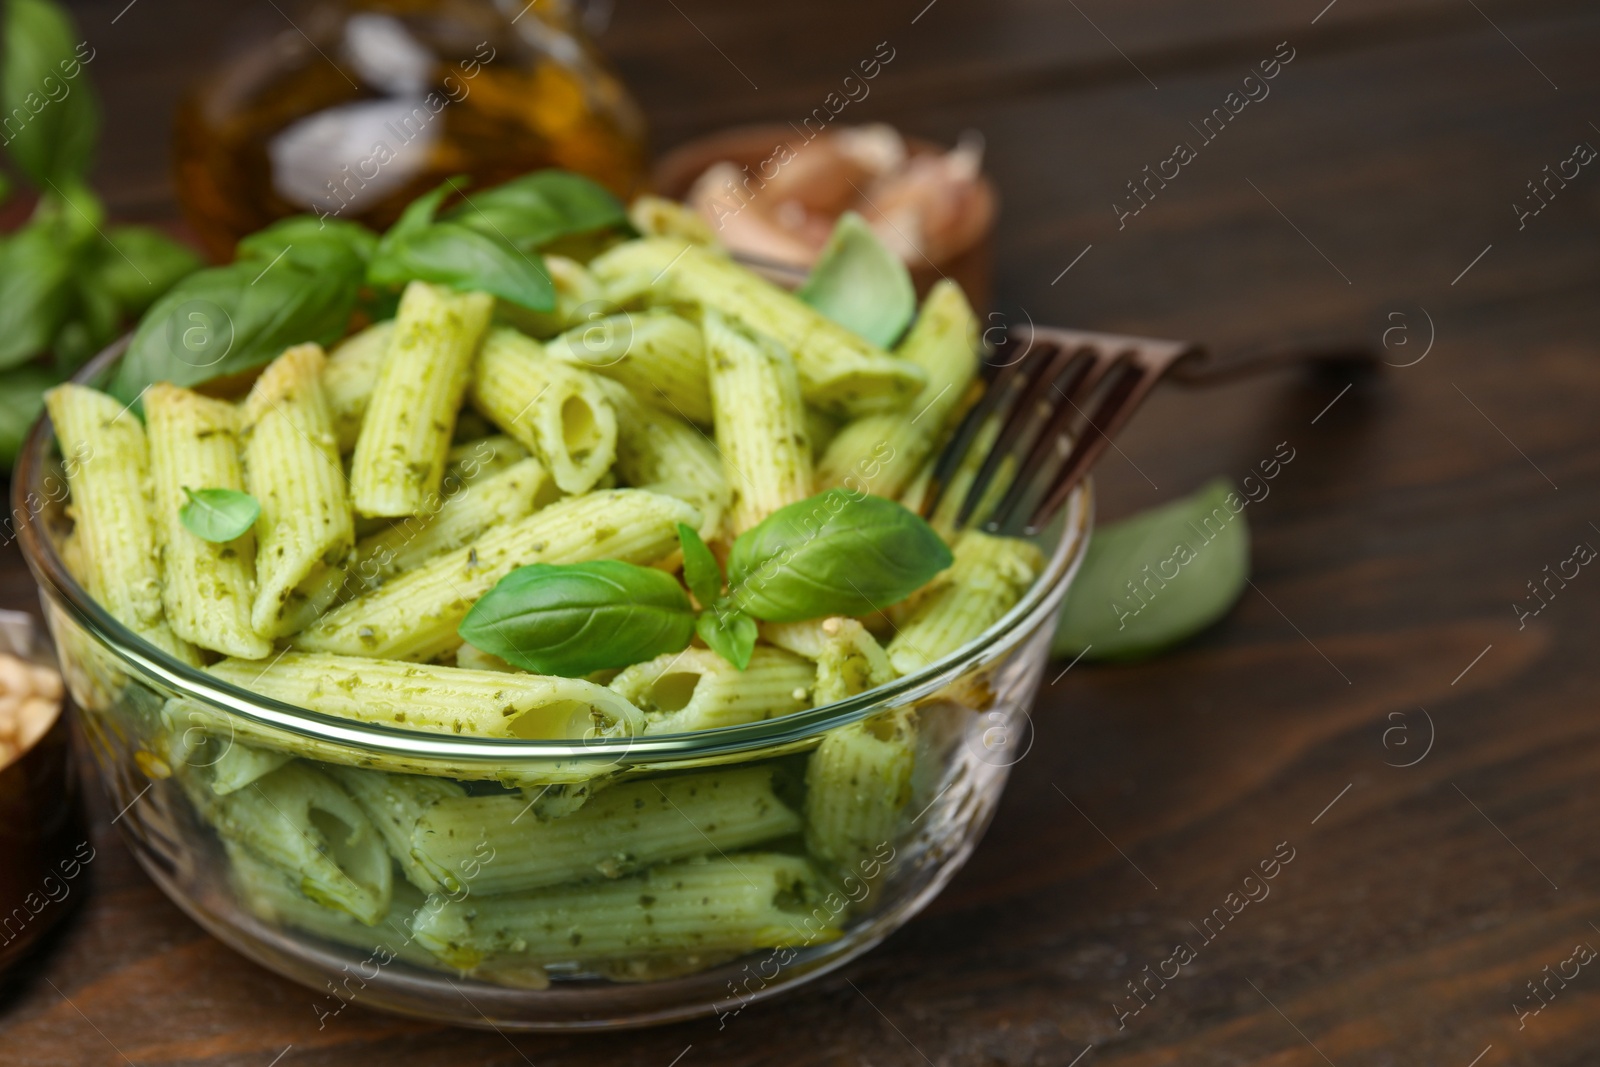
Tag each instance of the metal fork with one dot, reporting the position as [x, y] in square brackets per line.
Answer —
[1048, 416]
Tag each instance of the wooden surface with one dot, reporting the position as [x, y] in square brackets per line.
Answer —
[1420, 899]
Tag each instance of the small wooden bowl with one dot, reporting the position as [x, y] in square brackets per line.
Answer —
[44, 848]
[971, 268]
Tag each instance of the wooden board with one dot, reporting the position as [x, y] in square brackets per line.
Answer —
[1420, 899]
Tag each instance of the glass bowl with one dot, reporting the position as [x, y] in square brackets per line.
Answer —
[969, 711]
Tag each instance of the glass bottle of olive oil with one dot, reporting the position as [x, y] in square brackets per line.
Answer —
[351, 108]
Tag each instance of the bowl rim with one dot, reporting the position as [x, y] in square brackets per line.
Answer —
[1041, 600]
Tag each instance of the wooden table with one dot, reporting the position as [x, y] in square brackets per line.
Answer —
[1371, 191]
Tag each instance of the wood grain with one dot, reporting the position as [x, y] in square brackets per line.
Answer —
[1386, 559]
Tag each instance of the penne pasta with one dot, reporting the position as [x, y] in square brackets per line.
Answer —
[300, 822]
[696, 689]
[239, 765]
[489, 845]
[722, 905]
[664, 454]
[760, 422]
[275, 897]
[500, 498]
[480, 458]
[108, 465]
[445, 700]
[474, 658]
[209, 721]
[656, 354]
[395, 803]
[209, 591]
[291, 465]
[857, 782]
[349, 377]
[849, 660]
[414, 615]
[555, 409]
[400, 453]
[839, 371]
[881, 453]
[989, 576]
[656, 216]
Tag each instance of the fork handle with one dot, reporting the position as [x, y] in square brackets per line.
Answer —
[1202, 371]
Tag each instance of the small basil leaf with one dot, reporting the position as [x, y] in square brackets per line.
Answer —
[21, 400]
[538, 208]
[1158, 577]
[218, 515]
[137, 264]
[860, 284]
[41, 80]
[449, 253]
[730, 634]
[229, 319]
[838, 553]
[700, 570]
[572, 619]
[320, 244]
[35, 291]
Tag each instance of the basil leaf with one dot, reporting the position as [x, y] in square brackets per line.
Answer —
[319, 244]
[860, 284]
[93, 321]
[420, 213]
[21, 401]
[730, 634]
[531, 211]
[36, 266]
[838, 553]
[1157, 578]
[41, 83]
[572, 619]
[136, 264]
[449, 253]
[229, 319]
[700, 570]
[218, 515]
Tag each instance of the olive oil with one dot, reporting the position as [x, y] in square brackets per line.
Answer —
[351, 109]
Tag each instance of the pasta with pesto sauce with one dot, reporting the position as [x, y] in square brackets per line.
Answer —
[665, 411]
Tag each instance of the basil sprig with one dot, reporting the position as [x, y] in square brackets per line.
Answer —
[218, 515]
[68, 281]
[726, 630]
[489, 242]
[573, 619]
[860, 284]
[449, 253]
[301, 278]
[293, 282]
[838, 553]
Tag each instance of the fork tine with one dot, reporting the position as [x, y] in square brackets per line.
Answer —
[1027, 419]
[1072, 429]
[1147, 366]
[997, 401]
